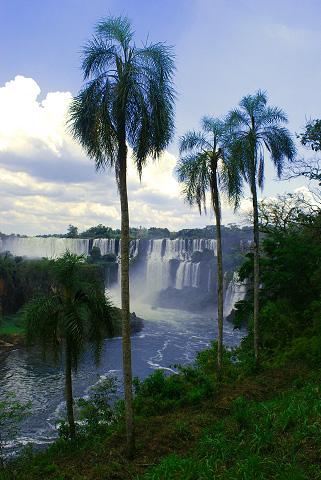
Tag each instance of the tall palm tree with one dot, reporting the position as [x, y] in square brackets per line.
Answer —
[257, 130]
[128, 99]
[203, 167]
[74, 314]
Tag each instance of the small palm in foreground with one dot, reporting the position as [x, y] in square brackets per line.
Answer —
[204, 169]
[74, 314]
[257, 129]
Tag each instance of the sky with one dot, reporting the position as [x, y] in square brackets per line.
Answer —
[224, 50]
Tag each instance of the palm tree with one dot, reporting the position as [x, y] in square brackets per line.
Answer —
[128, 99]
[257, 129]
[204, 168]
[75, 313]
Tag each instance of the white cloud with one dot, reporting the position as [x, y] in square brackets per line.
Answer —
[47, 182]
[28, 126]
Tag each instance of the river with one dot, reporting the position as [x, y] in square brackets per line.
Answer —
[169, 337]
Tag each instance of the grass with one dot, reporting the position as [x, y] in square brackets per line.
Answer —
[262, 426]
[278, 438]
[11, 325]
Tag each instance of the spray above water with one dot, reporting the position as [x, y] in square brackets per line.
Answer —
[156, 264]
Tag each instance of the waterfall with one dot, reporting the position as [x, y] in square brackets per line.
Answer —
[163, 256]
[158, 266]
[133, 252]
[49, 247]
[105, 245]
[188, 275]
[235, 292]
[163, 251]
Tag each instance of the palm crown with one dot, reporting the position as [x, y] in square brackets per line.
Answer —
[128, 96]
[205, 154]
[256, 128]
[75, 311]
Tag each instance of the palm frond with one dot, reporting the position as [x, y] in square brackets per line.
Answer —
[271, 116]
[237, 119]
[116, 29]
[193, 172]
[254, 127]
[280, 145]
[42, 317]
[130, 97]
[98, 58]
[214, 126]
[91, 124]
[193, 141]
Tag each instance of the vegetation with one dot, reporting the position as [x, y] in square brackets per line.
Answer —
[254, 128]
[291, 274]
[23, 279]
[128, 98]
[73, 314]
[252, 423]
[244, 419]
[311, 137]
[12, 412]
[204, 167]
[251, 426]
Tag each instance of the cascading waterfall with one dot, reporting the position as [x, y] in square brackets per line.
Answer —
[49, 247]
[162, 252]
[160, 255]
[157, 269]
[235, 292]
[188, 275]
[133, 252]
[106, 245]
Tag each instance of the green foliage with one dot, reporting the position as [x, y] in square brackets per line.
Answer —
[256, 440]
[290, 314]
[154, 232]
[95, 254]
[128, 97]
[12, 412]
[72, 232]
[11, 325]
[160, 393]
[21, 280]
[203, 164]
[75, 309]
[311, 137]
[254, 128]
[100, 231]
[96, 412]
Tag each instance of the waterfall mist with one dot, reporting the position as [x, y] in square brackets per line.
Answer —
[174, 271]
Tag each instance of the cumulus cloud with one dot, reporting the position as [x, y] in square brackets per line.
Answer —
[47, 182]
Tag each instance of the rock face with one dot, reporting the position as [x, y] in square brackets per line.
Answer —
[136, 323]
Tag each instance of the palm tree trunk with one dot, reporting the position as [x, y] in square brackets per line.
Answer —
[220, 300]
[256, 285]
[68, 392]
[126, 342]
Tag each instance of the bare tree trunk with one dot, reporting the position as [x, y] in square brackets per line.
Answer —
[68, 392]
[220, 299]
[256, 285]
[127, 365]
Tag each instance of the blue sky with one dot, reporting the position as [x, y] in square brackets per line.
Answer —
[224, 50]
